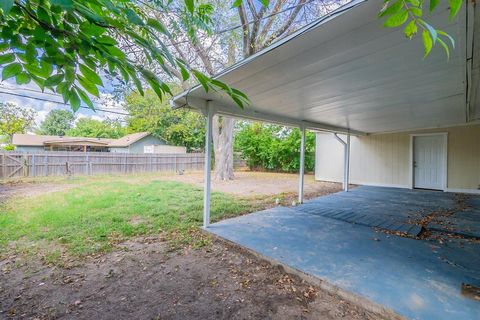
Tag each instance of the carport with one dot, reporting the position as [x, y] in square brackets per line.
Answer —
[347, 75]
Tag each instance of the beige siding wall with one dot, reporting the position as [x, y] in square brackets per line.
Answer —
[385, 159]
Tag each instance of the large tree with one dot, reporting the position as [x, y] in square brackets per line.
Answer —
[86, 127]
[178, 127]
[15, 119]
[67, 45]
[57, 122]
[256, 24]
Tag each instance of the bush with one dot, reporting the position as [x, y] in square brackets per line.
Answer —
[273, 147]
[9, 147]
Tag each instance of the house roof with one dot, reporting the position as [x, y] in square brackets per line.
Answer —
[348, 73]
[128, 139]
[41, 140]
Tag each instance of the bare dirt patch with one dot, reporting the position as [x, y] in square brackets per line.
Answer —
[144, 280]
[249, 184]
[28, 189]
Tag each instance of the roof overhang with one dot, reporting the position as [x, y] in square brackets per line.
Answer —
[347, 73]
[76, 143]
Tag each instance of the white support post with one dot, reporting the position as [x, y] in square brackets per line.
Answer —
[301, 179]
[346, 160]
[208, 166]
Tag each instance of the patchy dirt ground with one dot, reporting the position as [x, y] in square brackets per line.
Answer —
[249, 183]
[143, 280]
[246, 184]
[8, 190]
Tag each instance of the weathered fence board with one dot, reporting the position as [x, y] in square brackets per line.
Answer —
[15, 164]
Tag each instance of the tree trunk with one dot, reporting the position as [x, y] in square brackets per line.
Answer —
[223, 144]
[222, 132]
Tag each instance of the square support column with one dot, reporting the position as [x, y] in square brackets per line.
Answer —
[208, 166]
[301, 180]
[346, 160]
[347, 163]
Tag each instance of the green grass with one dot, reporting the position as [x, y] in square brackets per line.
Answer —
[93, 216]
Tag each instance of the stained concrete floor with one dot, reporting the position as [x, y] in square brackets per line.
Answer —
[336, 238]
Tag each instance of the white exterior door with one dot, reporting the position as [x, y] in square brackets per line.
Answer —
[429, 162]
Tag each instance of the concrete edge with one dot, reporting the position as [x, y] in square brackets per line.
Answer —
[348, 296]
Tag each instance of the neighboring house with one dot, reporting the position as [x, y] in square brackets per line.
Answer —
[142, 142]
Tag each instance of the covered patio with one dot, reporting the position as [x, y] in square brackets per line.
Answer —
[405, 251]
[331, 238]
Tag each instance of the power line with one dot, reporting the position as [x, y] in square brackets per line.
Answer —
[60, 102]
[222, 31]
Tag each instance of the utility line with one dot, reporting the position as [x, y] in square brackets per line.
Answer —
[60, 102]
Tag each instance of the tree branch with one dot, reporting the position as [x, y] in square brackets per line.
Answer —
[286, 25]
[245, 28]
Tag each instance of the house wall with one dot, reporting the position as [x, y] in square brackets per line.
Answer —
[30, 149]
[384, 159]
[119, 150]
[137, 147]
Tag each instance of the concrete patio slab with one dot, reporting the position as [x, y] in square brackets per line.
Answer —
[418, 279]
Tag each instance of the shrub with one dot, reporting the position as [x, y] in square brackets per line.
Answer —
[9, 147]
[273, 147]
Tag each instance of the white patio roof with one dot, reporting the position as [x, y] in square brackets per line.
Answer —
[346, 72]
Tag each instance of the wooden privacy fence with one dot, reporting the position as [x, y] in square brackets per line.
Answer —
[14, 164]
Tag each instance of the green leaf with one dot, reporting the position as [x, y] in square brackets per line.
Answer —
[397, 19]
[106, 40]
[4, 46]
[30, 52]
[184, 72]
[443, 33]
[133, 17]
[411, 29]
[455, 6]
[6, 6]
[236, 3]
[54, 80]
[7, 58]
[190, 5]
[74, 100]
[157, 25]
[203, 79]
[43, 15]
[65, 4]
[22, 78]
[85, 98]
[265, 3]
[433, 4]
[392, 9]
[89, 86]
[11, 71]
[445, 47]
[91, 75]
[416, 11]
[427, 43]
[137, 83]
[433, 32]
[92, 29]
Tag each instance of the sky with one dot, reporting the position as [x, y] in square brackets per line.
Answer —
[43, 103]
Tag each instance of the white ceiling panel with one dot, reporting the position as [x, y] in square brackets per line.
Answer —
[349, 72]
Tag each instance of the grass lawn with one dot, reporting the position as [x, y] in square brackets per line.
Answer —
[94, 214]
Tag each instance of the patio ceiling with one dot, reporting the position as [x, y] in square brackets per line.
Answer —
[346, 72]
